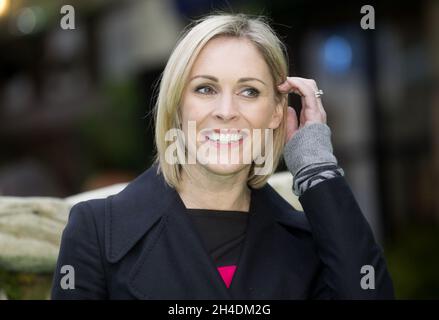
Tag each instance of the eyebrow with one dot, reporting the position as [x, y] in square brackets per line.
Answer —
[216, 79]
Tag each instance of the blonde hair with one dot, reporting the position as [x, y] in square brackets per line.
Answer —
[176, 72]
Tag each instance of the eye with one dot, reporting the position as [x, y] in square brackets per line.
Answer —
[251, 92]
[204, 90]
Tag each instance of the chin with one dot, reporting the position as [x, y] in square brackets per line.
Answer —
[225, 169]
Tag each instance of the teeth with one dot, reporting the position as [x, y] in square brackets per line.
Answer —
[225, 138]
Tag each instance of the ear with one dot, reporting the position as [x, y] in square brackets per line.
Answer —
[277, 116]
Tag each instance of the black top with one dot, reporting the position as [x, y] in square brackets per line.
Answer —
[222, 233]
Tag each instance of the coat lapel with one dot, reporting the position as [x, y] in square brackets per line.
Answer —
[269, 266]
[173, 262]
[176, 265]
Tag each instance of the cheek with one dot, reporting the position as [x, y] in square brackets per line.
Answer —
[193, 109]
[260, 116]
[187, 113]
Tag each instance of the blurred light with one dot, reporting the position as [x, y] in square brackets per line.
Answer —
[26, 20]
[4, 6]
[337, 54]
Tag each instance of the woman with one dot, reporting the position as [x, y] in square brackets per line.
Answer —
[197, 225]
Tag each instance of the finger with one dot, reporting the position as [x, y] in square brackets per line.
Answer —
[303, 88]
[313, 84]
[287, 87]
[306, 88]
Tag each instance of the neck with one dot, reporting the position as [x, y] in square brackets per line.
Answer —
[202, 189]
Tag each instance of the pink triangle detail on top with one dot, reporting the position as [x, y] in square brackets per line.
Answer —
[227, 273]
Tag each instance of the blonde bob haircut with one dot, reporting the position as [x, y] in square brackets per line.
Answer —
[175, 75]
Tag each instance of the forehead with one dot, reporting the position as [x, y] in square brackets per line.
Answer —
[226, 56]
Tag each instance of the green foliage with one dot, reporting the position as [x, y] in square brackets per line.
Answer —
[25, 286]
[413, 262]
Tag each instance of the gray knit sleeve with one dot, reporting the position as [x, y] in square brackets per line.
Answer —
[309, 157]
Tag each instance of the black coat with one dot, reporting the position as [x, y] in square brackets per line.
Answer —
[140, 244]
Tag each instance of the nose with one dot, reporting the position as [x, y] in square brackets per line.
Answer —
[226, 109]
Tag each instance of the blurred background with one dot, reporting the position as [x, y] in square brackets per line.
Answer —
[75, 107]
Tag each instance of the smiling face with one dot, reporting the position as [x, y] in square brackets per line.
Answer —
[229, 93]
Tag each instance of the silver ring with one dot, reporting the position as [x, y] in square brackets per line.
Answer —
[318, 93]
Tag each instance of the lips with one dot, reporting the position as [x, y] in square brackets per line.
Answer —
[224, 136]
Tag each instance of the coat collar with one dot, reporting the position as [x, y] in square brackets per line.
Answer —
[148, 199]
[133, 211]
